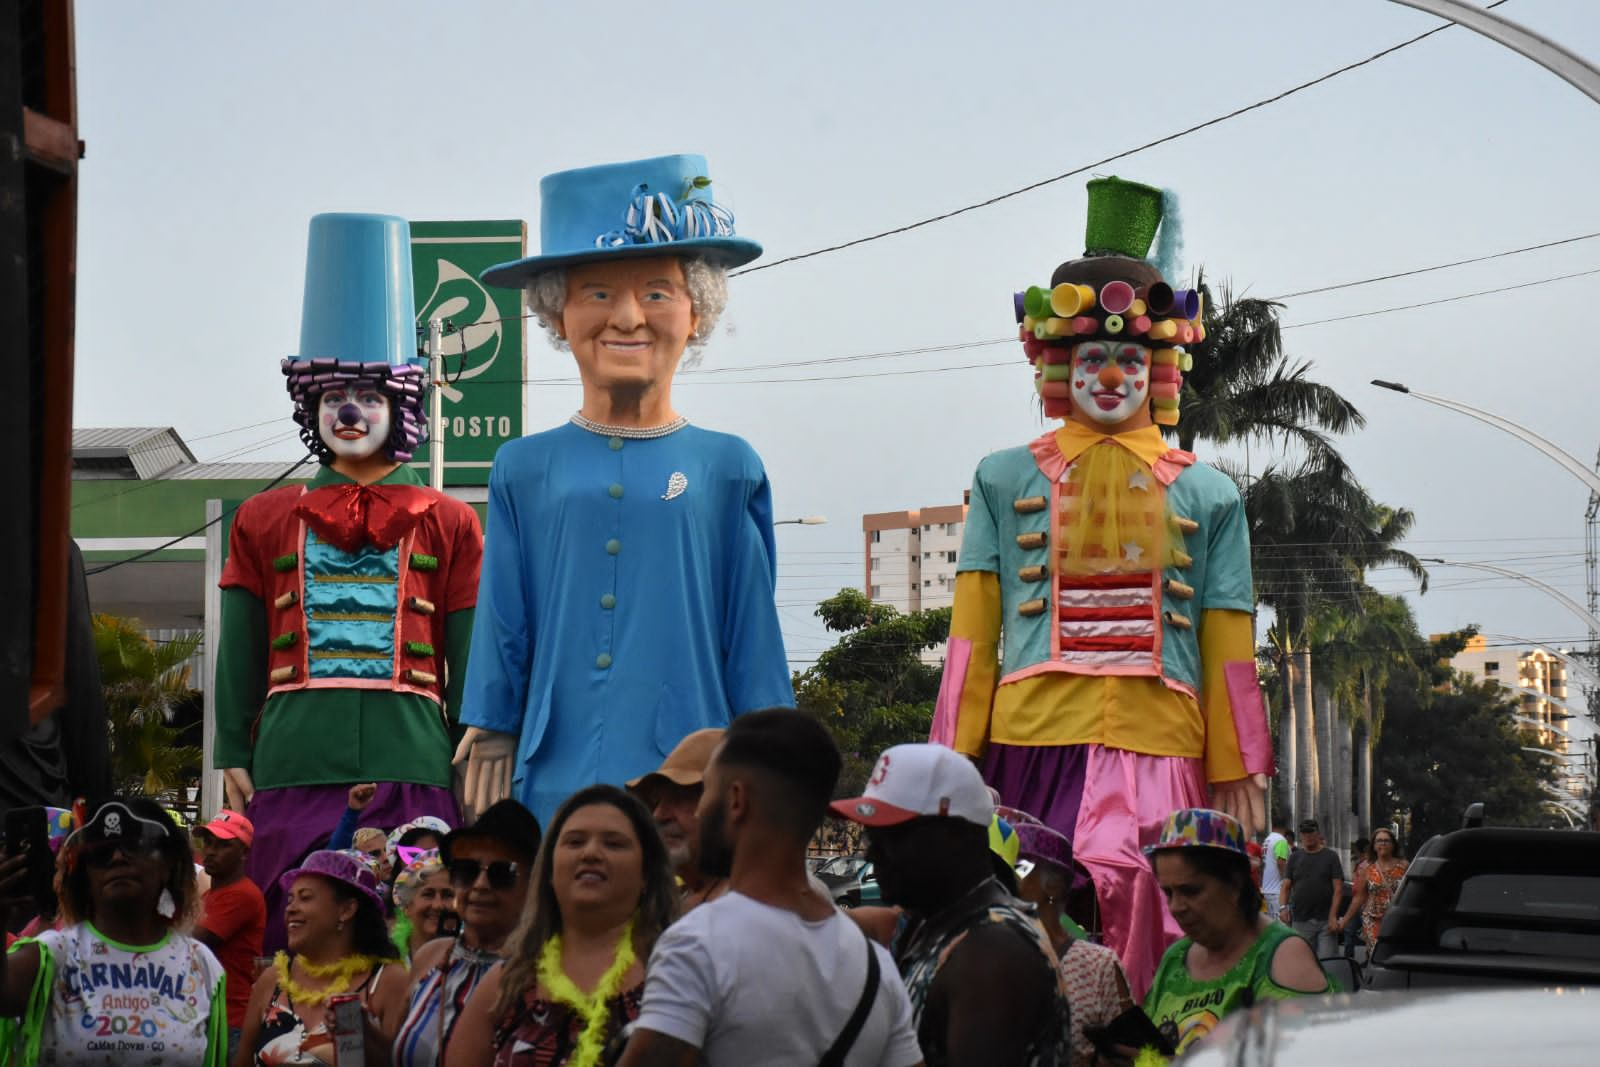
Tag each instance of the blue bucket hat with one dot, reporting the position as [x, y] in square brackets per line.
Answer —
[646, 207]
[358, 326]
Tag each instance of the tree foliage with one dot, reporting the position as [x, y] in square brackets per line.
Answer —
[872, 688]
[145, 683]
[1445, 748]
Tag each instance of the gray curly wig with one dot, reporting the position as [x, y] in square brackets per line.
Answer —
[708, 294]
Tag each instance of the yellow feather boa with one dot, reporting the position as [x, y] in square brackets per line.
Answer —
[341, 974]
[593, 1007]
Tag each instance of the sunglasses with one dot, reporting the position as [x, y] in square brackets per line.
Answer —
[464, 873]
[101, 854]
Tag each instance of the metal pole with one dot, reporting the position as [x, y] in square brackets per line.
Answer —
[436, 404]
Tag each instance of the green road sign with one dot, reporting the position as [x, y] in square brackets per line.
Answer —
[485, 404]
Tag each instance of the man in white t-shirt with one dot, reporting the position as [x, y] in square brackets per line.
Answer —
[769, 973]
[1274, 862]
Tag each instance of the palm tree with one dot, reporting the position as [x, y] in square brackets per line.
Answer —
[1314, 533]
[144, 683]
[1243, 388]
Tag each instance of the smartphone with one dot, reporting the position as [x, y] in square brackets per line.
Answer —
[27, 834]
[1132, 1028]
[349, 1030]
[449, 924]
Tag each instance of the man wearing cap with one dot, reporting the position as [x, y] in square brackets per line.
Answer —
[233, 913]
[627, 592]
[345, 603]
[1310, 891]
[984, 981]
[672, 792]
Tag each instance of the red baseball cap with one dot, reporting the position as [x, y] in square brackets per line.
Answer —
[230, 826]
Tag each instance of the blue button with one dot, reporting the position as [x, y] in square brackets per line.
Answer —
[616, 444]
[603, 660]
[615, 490]
[608, 601]
[613, 546]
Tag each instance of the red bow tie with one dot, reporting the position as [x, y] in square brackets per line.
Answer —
[349, 516]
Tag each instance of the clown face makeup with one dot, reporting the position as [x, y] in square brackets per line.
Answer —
[353, 422]
[1111, 384]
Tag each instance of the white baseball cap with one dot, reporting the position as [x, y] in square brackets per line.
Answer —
[913, 781]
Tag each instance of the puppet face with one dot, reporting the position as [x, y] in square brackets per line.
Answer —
[1111, 384]
[628, 321]
[353, 422]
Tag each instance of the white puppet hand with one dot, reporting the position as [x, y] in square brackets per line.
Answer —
[237, 788]
[1245, 799]
[483, 763]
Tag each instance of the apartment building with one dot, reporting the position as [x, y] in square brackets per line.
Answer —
[910, 556]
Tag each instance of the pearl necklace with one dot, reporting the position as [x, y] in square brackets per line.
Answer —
[638, 433]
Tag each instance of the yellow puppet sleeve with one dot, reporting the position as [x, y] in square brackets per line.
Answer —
[1225, 637]
[972, 667]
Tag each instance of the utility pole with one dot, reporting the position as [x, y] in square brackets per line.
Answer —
[1591, 556]
[436, 404]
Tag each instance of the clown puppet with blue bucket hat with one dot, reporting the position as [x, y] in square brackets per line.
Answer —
[347, 604]
[628, 583]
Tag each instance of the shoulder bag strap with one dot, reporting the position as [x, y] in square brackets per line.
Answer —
[842, 1044]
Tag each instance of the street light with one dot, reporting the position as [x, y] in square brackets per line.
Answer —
[1574, 466]
[1566, 601]
[805, 520]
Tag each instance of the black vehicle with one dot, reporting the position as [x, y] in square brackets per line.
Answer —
[1494, 906]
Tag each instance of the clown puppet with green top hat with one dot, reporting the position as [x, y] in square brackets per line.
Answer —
[347, 604]
[1101, 661]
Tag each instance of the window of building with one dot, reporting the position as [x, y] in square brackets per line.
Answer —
[950, 529]
[877, 535]
[875, 562]
[877, 591]
[949, 557]
[1491, 666]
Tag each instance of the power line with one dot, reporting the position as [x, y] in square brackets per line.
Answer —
[1438, 266]
[202, 528]
[1108, 159]
[1445, 300]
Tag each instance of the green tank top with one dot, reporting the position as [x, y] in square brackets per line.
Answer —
[1186, 1010]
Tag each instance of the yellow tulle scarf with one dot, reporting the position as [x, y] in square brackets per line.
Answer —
[593, 1007]
[1114, 517]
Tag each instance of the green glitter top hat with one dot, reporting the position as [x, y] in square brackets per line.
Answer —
[1123, 218]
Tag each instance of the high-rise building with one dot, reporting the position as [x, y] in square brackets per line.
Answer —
[1537, 680]
[911, 556]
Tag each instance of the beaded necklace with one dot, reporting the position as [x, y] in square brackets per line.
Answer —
[340, 973]
[637, 433]
[593, 1007]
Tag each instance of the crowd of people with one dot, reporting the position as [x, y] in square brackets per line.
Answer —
[669, 920]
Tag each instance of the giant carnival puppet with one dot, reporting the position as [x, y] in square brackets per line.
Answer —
[347, 604]
[1101, 656]
[627, 596]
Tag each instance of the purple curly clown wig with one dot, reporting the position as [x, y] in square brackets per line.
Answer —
[405, 385]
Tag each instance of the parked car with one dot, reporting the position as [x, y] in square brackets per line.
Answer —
[1494, 906]
[1464, 1028]
[850, 880]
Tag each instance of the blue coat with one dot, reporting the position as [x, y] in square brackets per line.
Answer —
[627, 600]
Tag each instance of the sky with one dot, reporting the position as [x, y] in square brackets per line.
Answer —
[214, 132]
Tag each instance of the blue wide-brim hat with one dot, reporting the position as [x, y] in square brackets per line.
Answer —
[646, 207]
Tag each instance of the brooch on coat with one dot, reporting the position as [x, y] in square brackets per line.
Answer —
[677, 485]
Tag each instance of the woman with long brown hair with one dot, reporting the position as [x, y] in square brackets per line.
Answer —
[573, 976]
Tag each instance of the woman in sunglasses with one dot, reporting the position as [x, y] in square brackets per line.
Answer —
[338, 945]
[117, 984]
[422, 893]
[489, 865]
[574, 971]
